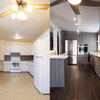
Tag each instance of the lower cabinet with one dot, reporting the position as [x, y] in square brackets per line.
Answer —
[97, 66]
[6, 67]
[24, 66]
[92, 61]
[31, 69]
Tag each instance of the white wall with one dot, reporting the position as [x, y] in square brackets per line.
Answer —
[2, 50]
[45, 38]
[99, 41]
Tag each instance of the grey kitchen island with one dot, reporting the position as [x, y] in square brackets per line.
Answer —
[58, 67]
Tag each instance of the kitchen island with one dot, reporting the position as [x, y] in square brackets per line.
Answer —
[58, 66]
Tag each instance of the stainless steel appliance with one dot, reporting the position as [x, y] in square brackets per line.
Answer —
[71, 50]
[83, 49]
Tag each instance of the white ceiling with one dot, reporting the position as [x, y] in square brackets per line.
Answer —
[37, 23]
[62, 16]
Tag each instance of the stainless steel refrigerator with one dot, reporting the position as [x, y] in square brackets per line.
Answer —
[71, 50]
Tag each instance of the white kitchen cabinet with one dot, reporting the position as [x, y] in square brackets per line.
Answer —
[24, 66]
[23, 49]
[7, 66]
[31, 68]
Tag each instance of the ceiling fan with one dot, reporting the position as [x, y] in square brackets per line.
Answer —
[75, 6]
[19, 6]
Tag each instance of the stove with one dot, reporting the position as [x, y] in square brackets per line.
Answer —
[15, 64]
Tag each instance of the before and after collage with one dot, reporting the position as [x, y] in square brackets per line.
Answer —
[49, 49]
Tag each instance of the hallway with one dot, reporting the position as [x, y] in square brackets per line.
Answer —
[81, 84]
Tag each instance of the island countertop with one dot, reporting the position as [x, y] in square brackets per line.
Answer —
[61, 56]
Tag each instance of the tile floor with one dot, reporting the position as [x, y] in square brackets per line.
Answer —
[19, 86]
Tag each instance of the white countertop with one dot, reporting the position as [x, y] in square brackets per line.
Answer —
[95, 54]
[54, 56]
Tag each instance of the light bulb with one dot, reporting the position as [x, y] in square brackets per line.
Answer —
[13, 16]
[78, 31]
[13, 1]
[29, 8]
[15, 7]
[76, 24]
[74, 18]
[74, 2]
[20, 15]
[24, 18]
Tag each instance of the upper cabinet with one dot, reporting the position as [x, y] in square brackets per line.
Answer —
[23, 49]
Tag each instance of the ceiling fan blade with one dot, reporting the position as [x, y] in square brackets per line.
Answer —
[6, 13]
[90, 3]
[12, 1]
[40, 6]
[75, 9]
[57, 2]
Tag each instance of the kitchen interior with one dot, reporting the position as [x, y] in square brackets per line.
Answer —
[74, 51]
[24, 66]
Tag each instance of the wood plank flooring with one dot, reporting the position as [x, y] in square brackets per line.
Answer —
[81, 84]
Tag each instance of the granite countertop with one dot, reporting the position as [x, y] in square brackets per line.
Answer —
[62, 56]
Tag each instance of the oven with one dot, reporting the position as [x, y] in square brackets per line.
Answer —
[83, 49]
[15, 64]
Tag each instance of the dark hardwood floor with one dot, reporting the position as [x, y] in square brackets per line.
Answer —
[81, 84]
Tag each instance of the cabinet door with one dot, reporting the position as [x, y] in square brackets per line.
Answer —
[24, 67]
[7, 67]
[31, 70]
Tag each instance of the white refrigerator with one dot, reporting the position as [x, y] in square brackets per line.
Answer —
[41, 66]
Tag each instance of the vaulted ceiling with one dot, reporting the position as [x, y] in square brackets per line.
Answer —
[62, 16]
[36, 24]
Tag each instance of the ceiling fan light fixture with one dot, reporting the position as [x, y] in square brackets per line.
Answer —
[15, 7]
[13, 16]
[22, 16]
[29, 8]
[74, 2]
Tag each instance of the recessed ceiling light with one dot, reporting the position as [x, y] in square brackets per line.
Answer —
[17, 36]
[75, 2]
